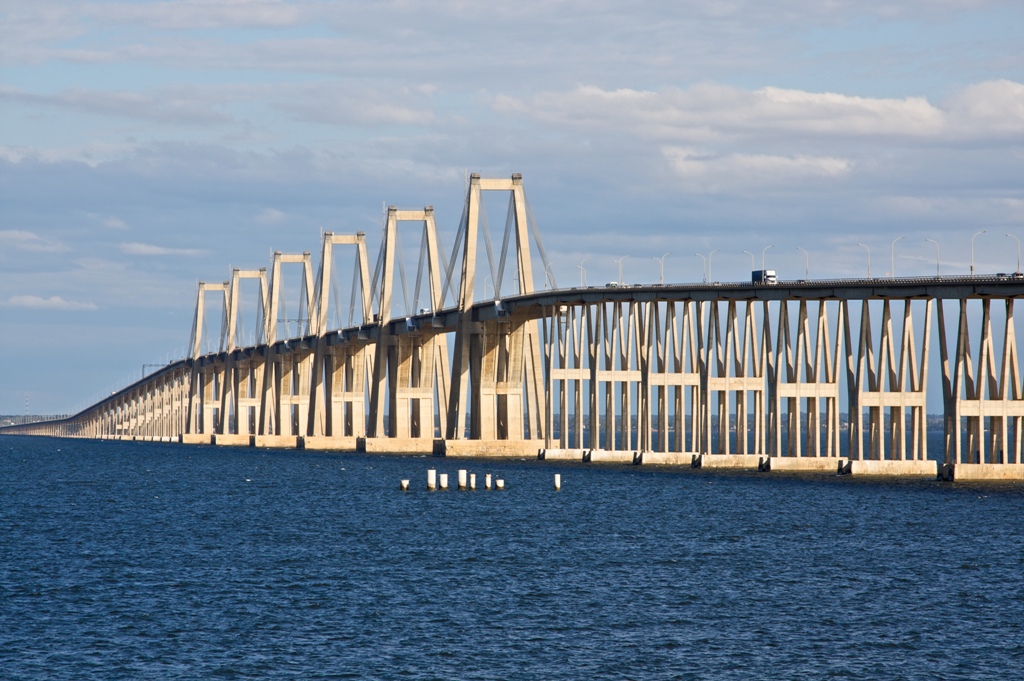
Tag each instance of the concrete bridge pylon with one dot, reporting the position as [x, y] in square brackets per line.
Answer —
[337, 390]
[242, 373]
[496, 368]
[411, 375]
[203, 386]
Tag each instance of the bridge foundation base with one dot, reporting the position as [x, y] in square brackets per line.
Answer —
[923, 468]
[608, 456]
[395, 445]
[665, 458]
[276, 441]
[195, 439]
[811, 464]
[487, 449]
[561, 454]
[981, 471]
[322, 443]
[744, 461]
[233, 440]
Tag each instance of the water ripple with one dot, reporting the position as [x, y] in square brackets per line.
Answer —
[130, 560]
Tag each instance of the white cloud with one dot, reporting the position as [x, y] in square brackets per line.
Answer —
[270, 216]
[92, 154]
[837, 114]
[22, 240]
[111, 222]
[711, 111]
[202, 14]
[176, 106]
[738, 172]
[993, 107]
[136, 248]
[51, 303]
[340, 103]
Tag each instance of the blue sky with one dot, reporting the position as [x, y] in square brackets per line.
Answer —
[147, 145]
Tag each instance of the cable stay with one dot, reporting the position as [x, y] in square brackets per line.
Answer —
[535, 231]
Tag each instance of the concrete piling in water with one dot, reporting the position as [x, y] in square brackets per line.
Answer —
[487, 481]
[499, 484]
[444, 481]
[558, 481]
[404, 486]
[472, 481]
[462, 478]
[431, 480]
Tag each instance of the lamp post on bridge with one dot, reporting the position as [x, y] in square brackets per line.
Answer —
[936, 255]
[1016, 271]
[751, 260]
[892, 257]
[619, 261]
[869, 258]
[661, 262]
[549, 278]
[972, 248]
[709, 263]
[807, 263]
[763, 251]
[704, 266]
[583, 271]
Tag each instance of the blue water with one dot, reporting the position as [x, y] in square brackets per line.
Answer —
[150, 561]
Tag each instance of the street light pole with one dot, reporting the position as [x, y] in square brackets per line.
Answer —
[619, 261]
[583, 271]
[763, 251]
[704, 267]
[1016, 271]
[936, 255]
[892, 257]
[661, 262]
[751, 260]
[972, 248]
[869, 258]
[709, 263]
[807, 263]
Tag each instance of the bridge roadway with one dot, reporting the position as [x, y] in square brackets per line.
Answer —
[542, 304]
[533, 304]
[628, 373]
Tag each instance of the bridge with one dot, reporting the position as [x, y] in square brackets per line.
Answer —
[738, 375]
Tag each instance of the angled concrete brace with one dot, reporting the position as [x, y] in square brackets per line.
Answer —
[811, 375]
[896, 383]
[990, 399]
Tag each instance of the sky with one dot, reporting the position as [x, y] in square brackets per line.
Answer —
[145, 146]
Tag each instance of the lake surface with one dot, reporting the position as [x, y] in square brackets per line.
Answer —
[159, 561]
